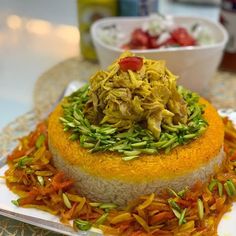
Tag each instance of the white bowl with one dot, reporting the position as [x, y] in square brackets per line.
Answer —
[194, 65]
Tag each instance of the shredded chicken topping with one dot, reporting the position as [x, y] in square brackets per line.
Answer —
[148, 96]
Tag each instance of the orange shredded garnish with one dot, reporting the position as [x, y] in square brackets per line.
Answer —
[39, 184]
[162, 216]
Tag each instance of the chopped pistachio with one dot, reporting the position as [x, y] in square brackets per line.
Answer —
[176, 213]
[140, 144]
[74, 136]
[121, 147]
[23, 161]
[70, 124]
[40, 180]
[212, 184]
[189, 136]
[220, 189]
[226, 187]
[88, 145]
[129, 158]
[171, 141]
[174, 205]
[173, 192]
[107, 130]
[15, 202]
[132, 153]
[182, 192]
[148, 150]
[170, 128]
[230, 188]
[102, 219]
[182, 217]
[108, 206]
[82, 224]
[159, 144]
[40, 140]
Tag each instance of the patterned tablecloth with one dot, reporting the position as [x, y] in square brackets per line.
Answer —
[221, 92]
[9, 227]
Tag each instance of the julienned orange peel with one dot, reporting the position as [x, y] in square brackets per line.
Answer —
[148, 215]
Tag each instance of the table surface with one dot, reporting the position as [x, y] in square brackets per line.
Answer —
[34, 36]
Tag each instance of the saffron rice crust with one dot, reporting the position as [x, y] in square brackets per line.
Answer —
[106, 177]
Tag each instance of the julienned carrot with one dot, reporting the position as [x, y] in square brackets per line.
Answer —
[17, 153]
[69, 214]
[148, 215]
[159, 232]
[59, 182]
[41, 129]
[139, 233]
[30, 199]
[233, 156]
[165, 215]
[184, 203]
[124, 226]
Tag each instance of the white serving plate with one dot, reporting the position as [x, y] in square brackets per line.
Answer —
[227, 226]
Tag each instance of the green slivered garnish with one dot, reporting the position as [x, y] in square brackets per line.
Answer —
[230, 188]
[173, 192]
[129, 158]
[101, 219]
[212, 184]
[176, 209]
[181, 193]
[182, 217]
[15, 202]
[176, 213]
[134, 141]
[215, 183]
[174, 205]
[226, 187]
[40, 180]
[133, 112]
[82, 224]
[220, 189]
[40, 140]
[23, 161]
[108, 206]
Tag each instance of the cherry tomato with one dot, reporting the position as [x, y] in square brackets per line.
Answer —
[152, 42]
[181, 36]
[131, 63]
[169, 42]
[143, 40]
[139, 38]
